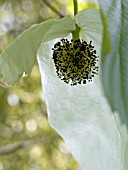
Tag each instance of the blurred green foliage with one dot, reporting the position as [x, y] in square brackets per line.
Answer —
[27, 142]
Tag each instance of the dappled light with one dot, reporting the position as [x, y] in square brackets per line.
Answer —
[31, 125]
[13, 99]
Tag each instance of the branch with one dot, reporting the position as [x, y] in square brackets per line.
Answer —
[53, 8]
[19, 145]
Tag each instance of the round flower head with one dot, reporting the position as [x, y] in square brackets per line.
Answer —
[75, 61]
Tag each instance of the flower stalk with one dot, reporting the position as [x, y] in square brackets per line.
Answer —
[75, 7]
[75, 34]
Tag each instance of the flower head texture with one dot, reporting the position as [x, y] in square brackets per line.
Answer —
[75, 61]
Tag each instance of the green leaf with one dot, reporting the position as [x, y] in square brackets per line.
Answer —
[19, 57]
[115, 61]
[82, 116]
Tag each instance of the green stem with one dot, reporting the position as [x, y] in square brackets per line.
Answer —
[75, 7]
[75, 34]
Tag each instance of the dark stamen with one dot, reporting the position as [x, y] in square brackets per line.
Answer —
[75, 61]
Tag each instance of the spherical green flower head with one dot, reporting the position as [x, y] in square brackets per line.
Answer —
[75, 61]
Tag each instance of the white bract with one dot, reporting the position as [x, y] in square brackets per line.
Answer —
[82, 116]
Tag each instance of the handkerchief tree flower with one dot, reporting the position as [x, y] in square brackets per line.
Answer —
[76, 56]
